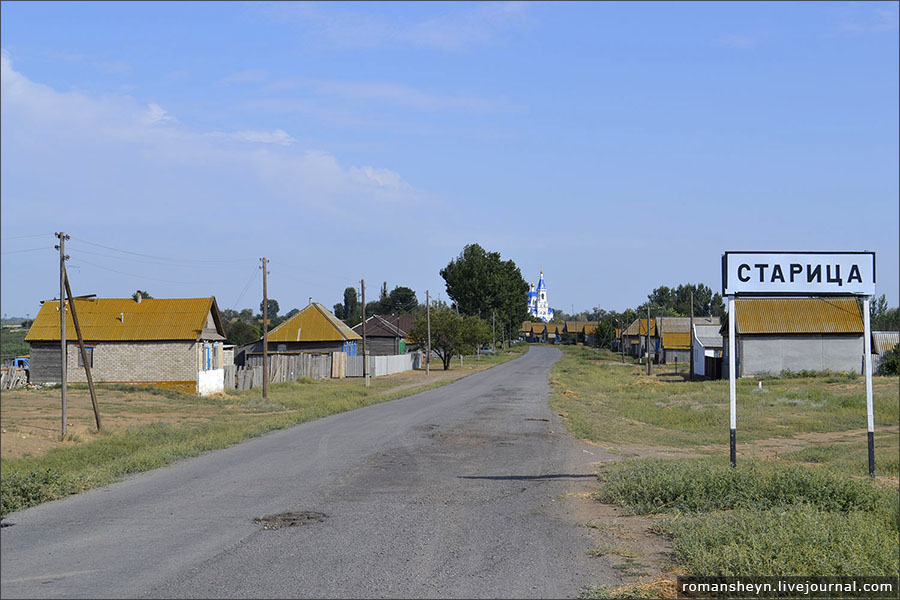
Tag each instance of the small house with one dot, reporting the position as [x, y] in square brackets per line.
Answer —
[386, 334]
[174, 343]
[314, 329]
[676, 337]
[635, 338]
[708, 351]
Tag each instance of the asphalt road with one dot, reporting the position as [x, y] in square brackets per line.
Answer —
[456, 492]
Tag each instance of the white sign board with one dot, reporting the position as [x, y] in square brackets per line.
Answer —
[798, 273]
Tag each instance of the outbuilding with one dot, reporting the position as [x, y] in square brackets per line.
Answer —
[797, 334]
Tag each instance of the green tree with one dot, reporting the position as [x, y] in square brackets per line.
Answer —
[451, 334]
[883, 318]
[676, 302]
[482, 285]
[401, 300]
[273, 309]
[351, 306]
[144, 295]
[241, 332]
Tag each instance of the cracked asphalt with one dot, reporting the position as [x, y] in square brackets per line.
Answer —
[465, 491]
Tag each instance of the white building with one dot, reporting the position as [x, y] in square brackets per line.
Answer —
[538, 306]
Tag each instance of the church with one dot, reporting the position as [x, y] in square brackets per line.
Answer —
[538, 306]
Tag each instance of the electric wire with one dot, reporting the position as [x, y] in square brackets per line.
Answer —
[164, 258]
[26, 250]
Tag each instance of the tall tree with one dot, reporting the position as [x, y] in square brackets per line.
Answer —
[273, 308]
[401, 300]
[481, 284]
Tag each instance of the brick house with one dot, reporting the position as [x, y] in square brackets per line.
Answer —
[175, 343]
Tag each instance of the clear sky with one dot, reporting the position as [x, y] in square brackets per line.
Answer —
[618, 146]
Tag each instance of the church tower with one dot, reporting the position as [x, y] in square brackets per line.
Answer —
[538, 305]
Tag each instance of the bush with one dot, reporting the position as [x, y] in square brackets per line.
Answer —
[784, 541]
[694, 485]
[22, 490]
[890, 363]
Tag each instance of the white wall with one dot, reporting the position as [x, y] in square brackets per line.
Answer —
[211, 382]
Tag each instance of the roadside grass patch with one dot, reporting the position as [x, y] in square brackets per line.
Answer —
[761, 518]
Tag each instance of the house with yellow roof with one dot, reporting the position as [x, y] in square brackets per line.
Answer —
[315, 329]
[174, 343]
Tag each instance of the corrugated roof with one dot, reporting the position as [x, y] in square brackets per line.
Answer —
[125, 320]
[633, 328]
[315, 323]
[882, 341]
[676, 340]
[683, 324]
[797, 315]
[708, 336]
[590, 327]
[574, 326]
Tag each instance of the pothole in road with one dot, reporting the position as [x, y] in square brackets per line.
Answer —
[290, 519]
[6, 524]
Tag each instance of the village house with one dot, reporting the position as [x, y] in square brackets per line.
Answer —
[176, 343]
[386, 334]
[883, 341]
[676, 337]
[635, 338]
[314, 329]
[796, 334]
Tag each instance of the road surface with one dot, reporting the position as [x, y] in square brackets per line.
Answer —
[459, 492]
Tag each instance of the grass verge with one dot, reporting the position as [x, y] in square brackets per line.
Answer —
[799, 501]
[66, 470]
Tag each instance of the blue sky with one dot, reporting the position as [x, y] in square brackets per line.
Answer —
[618, 146]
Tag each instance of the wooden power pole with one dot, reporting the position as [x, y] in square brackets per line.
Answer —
[648, 338]
[265, 385]
[84, 357]
[63, 355]
[428, 321]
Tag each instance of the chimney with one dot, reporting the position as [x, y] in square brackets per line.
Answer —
[122, 317]
[138, 297]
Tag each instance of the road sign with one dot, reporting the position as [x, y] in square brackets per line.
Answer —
[798, 273]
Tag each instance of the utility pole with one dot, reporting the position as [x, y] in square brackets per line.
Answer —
[648, 338]
[84, 357]
[428, 320]
[63, 355]
[493, 330]
[265, 271]
[362, 284]
[692, 335]
[622, 339]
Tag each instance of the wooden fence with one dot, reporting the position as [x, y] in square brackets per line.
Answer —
[337, 365]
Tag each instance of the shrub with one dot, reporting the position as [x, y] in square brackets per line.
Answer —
[890, 363]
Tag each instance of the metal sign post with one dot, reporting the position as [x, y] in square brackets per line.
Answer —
[800, 274]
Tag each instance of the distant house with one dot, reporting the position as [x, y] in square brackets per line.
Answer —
[635, 338]
[169, 342]
[314, 329]
[708, 351]
[583, 331]
[386, 334]
[534, 332]
[676, 337]
[796, 334]
[883, 341]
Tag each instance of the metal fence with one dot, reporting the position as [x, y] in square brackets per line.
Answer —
[383, 365]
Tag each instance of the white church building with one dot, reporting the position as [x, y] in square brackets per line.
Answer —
[538, 306]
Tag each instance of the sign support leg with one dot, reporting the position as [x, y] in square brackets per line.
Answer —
[732, 377]
[870, 416]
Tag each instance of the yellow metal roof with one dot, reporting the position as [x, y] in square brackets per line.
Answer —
[124, 319]
[676, 341]
[798, 315]
[590, 327]
[633, 328]
[315, 323]
[574, 326]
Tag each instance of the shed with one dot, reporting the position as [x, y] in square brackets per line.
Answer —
[797, 334]
[175, 343]
[635, 337]
[385, 334]
[707, 351]
[676, 336]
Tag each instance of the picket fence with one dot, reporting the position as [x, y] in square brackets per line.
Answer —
[13, 378]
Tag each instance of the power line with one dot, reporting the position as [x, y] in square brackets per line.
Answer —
[26, 250]
[246, 287]
[145, 277]
[23, 237]
[165, 258]
[152, 261]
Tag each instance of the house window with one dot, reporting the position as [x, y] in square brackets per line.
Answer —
[282, 347]
[215, 354]
[89, 350]
[205, 358]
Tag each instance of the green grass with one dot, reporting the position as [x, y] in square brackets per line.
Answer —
[604, 401]
[25, 482]
[12, 343]
[808, 510]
